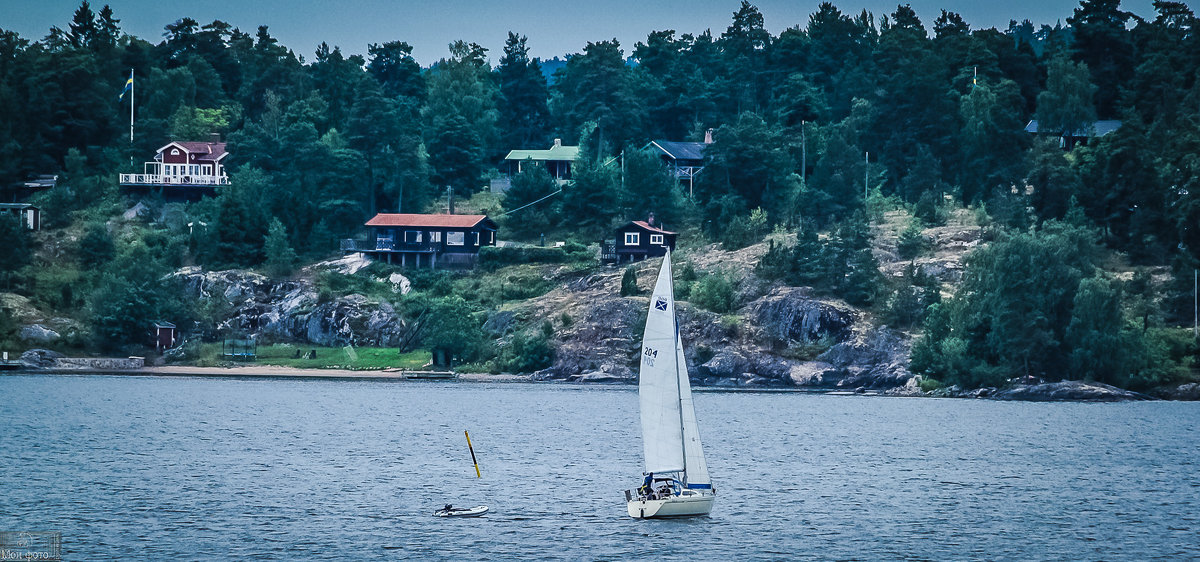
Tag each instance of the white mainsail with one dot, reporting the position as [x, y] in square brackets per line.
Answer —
[658, 384]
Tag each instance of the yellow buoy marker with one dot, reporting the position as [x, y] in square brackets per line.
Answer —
[472, 449]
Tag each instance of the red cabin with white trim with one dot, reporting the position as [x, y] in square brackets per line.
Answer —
[183, 163]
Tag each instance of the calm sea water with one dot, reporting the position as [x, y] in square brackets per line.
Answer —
[171, 468]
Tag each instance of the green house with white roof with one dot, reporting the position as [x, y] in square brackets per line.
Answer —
[557, 160]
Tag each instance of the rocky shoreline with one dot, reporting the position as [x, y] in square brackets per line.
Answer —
[777, 336]
[39, 362]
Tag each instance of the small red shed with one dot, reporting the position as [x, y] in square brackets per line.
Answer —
[164, 336]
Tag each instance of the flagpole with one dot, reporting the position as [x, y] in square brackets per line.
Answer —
[131, 87]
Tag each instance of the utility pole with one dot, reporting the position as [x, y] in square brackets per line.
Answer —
[866, 175]
[622, 170]
[449, 200]
[803, 152]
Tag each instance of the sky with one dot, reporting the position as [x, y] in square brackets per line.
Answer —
[554, 28]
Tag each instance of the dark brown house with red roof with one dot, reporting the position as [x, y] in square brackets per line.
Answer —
[638, 240]
[425, 240]
[183, 168]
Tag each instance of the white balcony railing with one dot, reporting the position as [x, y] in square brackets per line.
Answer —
[156, 179]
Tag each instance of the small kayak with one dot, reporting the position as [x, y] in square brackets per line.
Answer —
[451, 511]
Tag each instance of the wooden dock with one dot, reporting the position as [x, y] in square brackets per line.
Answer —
[424, 375]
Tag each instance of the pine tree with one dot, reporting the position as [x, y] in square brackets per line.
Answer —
[281, 258]
[524, 115]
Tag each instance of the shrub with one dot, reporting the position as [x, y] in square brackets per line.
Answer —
[526, 354]
[912, 242]
[436, 282]
[494, 257]
[8, 329]
[929, 209]
[339, 284]
[714, 292]
[575, 249]
[809, 350]
[744, 231]
[324, 295]
[95, 246]
[1156, 357]
[776, 263]
[629, 286]
[683, 290]
[685, 280]
[494, 290]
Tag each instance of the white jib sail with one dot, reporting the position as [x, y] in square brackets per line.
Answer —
[697, 469]
[658, 380]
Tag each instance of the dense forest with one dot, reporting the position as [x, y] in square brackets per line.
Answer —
[813, 129]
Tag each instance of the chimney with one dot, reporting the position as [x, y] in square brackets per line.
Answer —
[707, 136]
[557, 143]
[650, 219]
[214, 137]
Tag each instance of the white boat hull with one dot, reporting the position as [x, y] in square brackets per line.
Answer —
[675, 506]
[462, 511]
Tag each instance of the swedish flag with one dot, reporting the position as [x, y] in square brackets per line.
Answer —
[128, 86]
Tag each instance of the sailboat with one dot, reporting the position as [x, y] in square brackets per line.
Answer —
[676, 481]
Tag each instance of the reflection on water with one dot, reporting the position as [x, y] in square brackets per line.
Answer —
[159, 468]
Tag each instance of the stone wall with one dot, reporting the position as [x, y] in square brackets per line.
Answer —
[99, 363]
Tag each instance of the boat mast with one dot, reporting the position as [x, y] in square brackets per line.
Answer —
[675, 346]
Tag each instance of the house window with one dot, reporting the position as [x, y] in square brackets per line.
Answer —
[456, 238]
[435, 236]
[174, 152]
[476, 238]
[491, 237]
[412, 236]
[632, 239]
[656, 239]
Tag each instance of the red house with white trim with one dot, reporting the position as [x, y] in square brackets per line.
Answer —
[412, 239]
[183, 165]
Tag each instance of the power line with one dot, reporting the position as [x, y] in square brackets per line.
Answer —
[535, 202]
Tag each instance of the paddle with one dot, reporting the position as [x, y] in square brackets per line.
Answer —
[472, 449]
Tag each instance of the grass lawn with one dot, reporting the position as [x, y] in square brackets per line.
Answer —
[358, 358]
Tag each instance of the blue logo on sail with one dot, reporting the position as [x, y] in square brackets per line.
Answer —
[661, 304]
